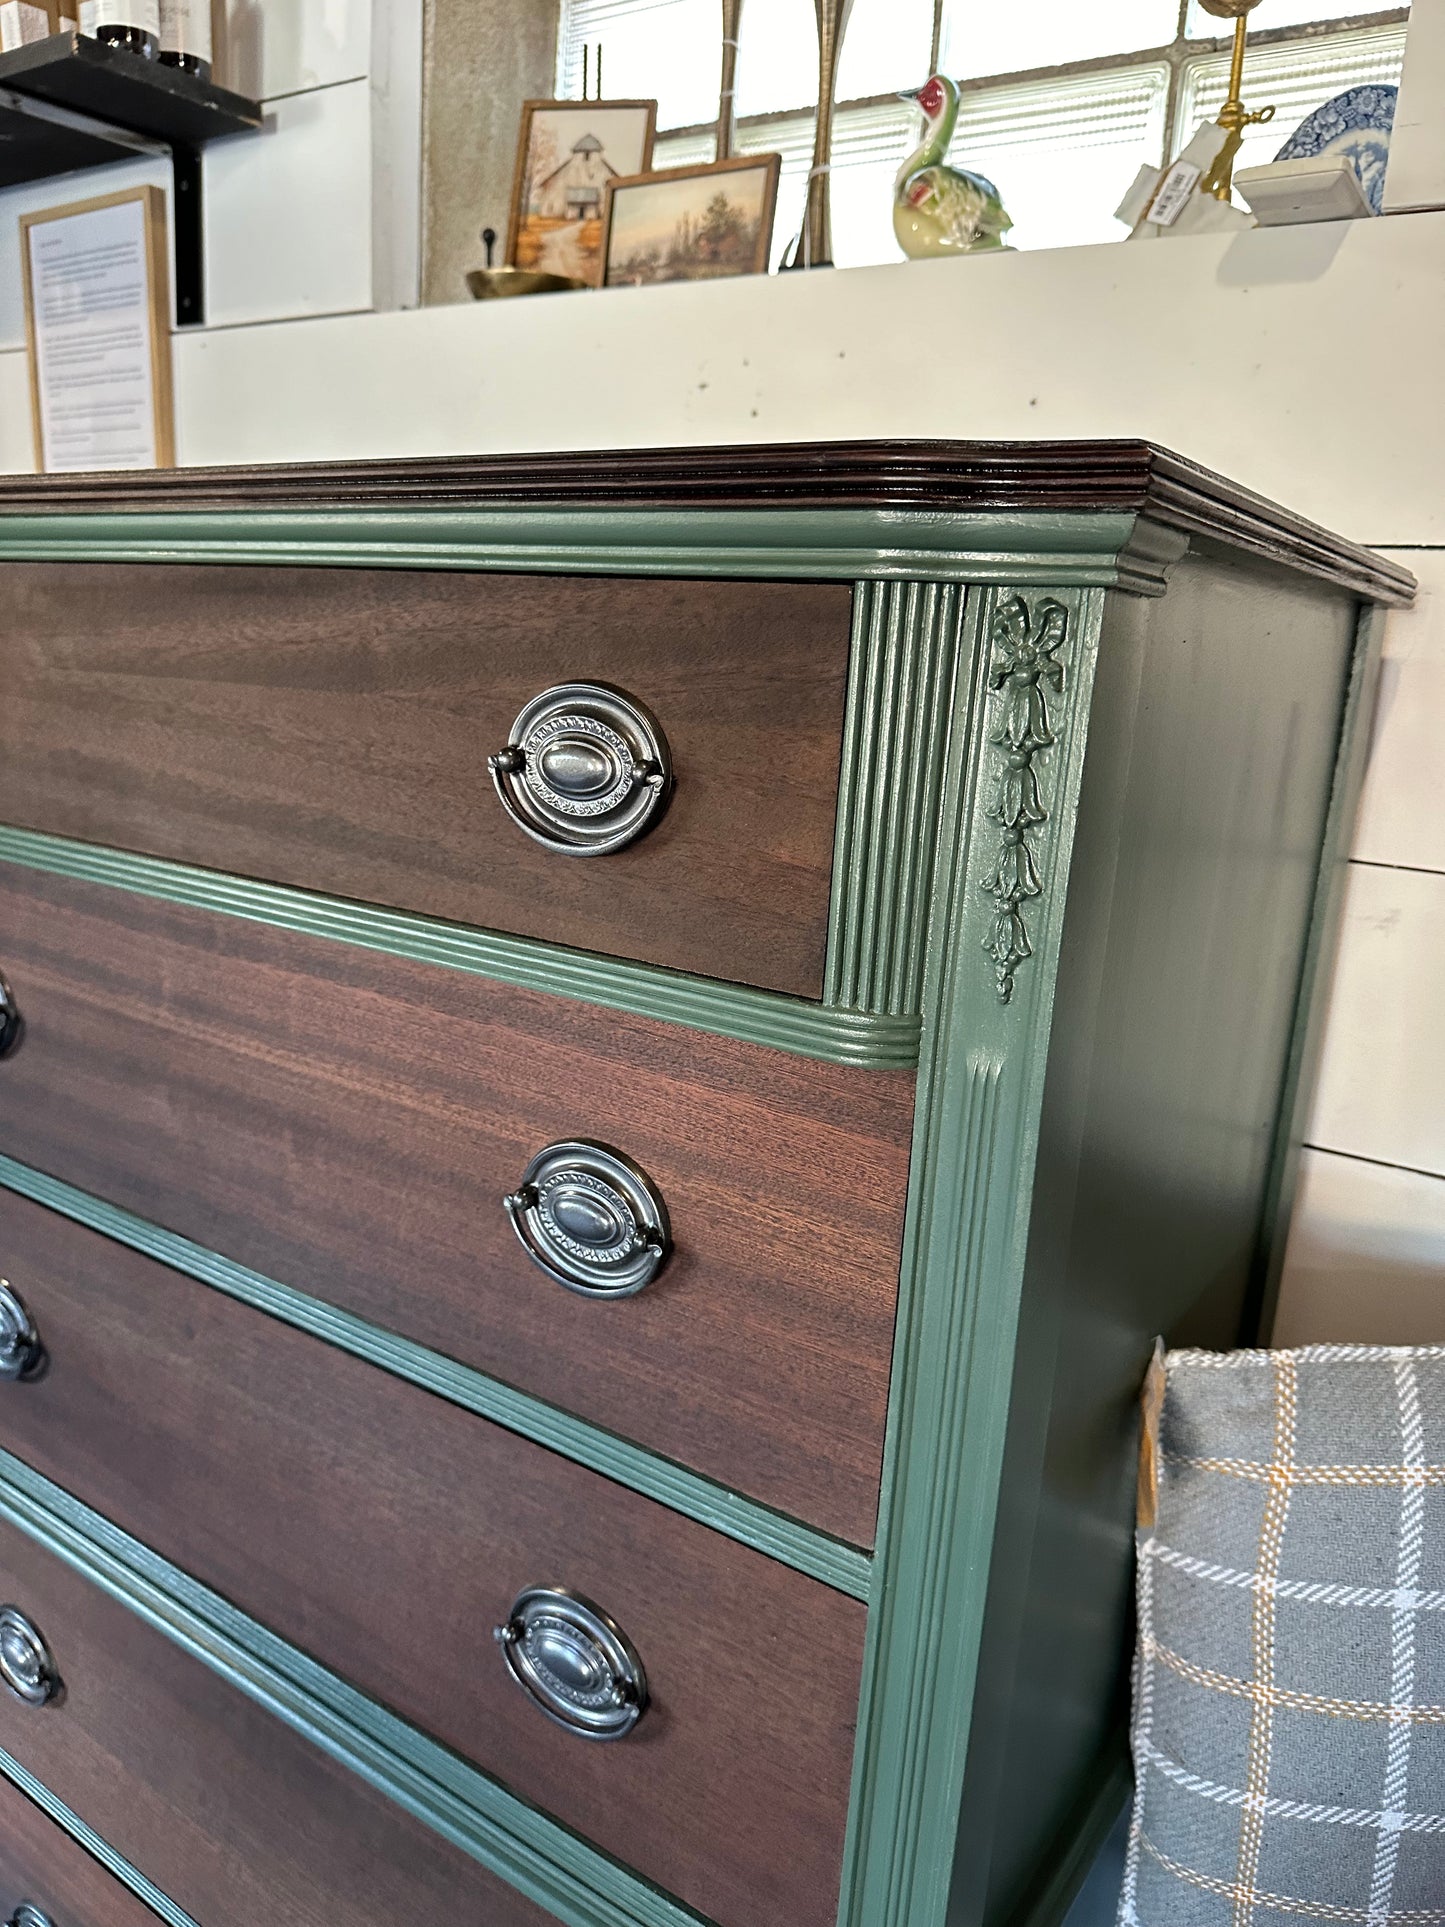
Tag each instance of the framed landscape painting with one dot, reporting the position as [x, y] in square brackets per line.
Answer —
[568, 153]
[690, 223]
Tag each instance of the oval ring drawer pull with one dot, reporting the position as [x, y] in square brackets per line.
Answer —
[574, 1662]
[26, 1666]
[10, 1019]
[21, 1352]
[587, 769]
[27, 1914]
[591, 1219]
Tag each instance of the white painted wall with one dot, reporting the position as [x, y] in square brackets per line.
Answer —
[1304, 362]
[1367, 1252]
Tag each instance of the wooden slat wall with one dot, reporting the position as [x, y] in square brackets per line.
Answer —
[1366, 1260]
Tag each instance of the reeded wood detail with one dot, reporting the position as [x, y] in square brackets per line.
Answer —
[906, 648]
[980, 1093]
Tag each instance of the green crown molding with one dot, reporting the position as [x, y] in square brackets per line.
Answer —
[1028, 548]
[844, 1567]
[855, 1037]
[582, 1886]
[979, 1101]
[98, 1849]
[907, 648]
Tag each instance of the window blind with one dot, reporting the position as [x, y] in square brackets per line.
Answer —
[671, 51]
[1062, 150]
[1297, 77]
[1061, 153]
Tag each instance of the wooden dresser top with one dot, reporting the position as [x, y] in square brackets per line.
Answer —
[934, 477]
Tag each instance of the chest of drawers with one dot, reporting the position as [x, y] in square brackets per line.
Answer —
[610, 1066]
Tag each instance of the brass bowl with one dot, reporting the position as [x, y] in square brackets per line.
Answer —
[495, 284]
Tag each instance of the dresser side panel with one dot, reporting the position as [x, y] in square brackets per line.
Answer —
[1212, 751]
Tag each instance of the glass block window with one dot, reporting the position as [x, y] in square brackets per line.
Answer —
[1297, 76]
[1063, 103]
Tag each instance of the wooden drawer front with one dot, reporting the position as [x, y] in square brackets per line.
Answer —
[387, 1532]
[330, 728]
[40, 1863]
[348, 1123]
[231, 1814]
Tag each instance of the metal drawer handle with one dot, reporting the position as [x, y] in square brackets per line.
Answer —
[26, 1666]
[574, 1662]
[591, 1219]
[29, 1915]
[11, 1022]
[21, 1352]
[587, 769]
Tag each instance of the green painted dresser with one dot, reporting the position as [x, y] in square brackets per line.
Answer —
[610, 1064]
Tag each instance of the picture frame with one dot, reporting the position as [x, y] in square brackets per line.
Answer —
[680, 224]
[121, 344]
[567, 151]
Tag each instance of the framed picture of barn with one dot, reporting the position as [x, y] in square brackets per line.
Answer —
[567, 152]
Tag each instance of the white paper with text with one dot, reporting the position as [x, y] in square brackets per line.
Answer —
[91, 300]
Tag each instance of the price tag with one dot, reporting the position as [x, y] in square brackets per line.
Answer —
[1172, 195]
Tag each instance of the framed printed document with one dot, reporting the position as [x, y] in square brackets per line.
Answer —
[97, 324]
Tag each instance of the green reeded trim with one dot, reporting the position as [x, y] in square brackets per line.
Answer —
[905, 657]
[1025, 548]
[537, 1856]
[87, 1837]
[979, 1100]
[855, 1037]
[838, 1565]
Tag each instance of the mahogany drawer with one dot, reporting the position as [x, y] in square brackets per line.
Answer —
[42, 1865]
[349, 1123]
[230, 1813]
[387, 1533]
[330, 728]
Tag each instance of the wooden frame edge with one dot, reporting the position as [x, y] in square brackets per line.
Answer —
[736, 163]
[524, 130]
[152, 201]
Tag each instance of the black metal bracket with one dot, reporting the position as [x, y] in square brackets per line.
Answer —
[188, 226]
[70, 102]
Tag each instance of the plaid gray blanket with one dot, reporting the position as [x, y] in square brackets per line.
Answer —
[1289, 1687]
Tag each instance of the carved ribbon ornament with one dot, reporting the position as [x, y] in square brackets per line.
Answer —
[1024, 670]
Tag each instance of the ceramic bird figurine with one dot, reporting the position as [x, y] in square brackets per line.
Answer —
[939, 209]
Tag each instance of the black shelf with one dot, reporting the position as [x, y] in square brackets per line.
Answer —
[71, 102]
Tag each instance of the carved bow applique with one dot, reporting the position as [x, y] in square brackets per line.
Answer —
[1023, 670]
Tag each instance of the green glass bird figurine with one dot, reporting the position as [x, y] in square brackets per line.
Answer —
[939, 209]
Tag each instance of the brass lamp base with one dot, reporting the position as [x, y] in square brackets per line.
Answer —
[497, 284]
[1234, 116]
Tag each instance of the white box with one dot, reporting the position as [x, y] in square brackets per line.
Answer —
[1323, 187]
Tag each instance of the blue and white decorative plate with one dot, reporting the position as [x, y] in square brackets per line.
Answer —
[1356, 123]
